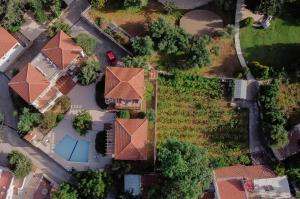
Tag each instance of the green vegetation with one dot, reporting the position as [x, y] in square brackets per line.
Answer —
[19, 164]
[49, 120]
[98, 4]
[1, 120]
[82, 122]
[259, 71]
[274, 119]
[100, 142]
[27, 121]
[135, 62]
[92, 184]
[193, 109]
[87, 43]
[88, 72]
[247, 22]
[124, 114]
[12, 11]
[185, 170]
[142, 45]
[150, 114]
[59, 26]
[66, 192]
[135, 3]
[277, 47]
[64, 104]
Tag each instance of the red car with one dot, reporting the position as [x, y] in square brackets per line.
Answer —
[111, 57]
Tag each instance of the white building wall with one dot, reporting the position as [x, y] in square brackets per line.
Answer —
[10, 56]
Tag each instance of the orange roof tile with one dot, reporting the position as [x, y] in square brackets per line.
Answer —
[62, 50]
[131, 139]
[229, 179]
[5, 179]
[7, 41]
[29, 83]
[124, 83]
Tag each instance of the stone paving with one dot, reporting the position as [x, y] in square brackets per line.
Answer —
[82, 98]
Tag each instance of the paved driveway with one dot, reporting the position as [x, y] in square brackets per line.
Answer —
[82, 98]
[6, 105]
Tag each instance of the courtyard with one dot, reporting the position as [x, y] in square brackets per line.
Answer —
[80, 154]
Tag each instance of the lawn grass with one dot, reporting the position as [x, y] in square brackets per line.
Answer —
[194, 109]
[289, 102]
[277, 46]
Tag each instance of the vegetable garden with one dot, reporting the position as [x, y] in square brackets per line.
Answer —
[196, 109]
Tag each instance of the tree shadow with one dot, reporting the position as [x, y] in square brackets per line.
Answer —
[275, 55]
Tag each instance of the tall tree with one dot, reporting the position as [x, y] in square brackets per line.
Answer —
[185, 170]
[65, 192]
[19, 164]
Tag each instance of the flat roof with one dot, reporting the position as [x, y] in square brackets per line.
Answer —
[45, 66]
[240, 89]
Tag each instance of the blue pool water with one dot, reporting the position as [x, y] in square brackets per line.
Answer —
[73, 150]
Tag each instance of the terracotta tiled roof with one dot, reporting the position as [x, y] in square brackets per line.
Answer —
[124, 83]
[131, 139]
[229, 179]
[29, 83]
[5, 179]
[250, 172]
[61, 50]
[7, 41]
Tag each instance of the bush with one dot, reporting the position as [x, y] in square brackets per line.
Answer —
[124, 114]
[150, 114]
[135, 3]
[82, 122]
[215, 50]
[12, 15]
[87, 43]
[66, 191]
[39, 13]
[88, 72]
[19, 164]
[247, 22]
[170, 7]
[141, 115]
[65, 103]
[60, 117]
[136, 62]
[142, 45]
[243, 73]
[27, 121]
[258, 70]
[228, 32]
[98, 4]
[59, 26]
[49, 120]
[100, 142]
[100, 21]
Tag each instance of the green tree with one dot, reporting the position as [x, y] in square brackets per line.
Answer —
[198, 54]
[136, 62]
[278, 136]
[270, 7]
[27, 121]
[19, 164]
[87, 43]
[142, 45]
[48, 120]
[65, 103]
[59, 26]
[82, 122]
[92, 184]
[185, 168]
[88, 72]
[12, 18]
[65, 192]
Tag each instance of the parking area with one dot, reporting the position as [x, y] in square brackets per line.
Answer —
[82, 98]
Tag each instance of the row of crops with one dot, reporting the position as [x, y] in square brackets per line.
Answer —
[196, 109]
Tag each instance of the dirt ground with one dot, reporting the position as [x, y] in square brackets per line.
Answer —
[201, 22]
[224, 65]
[134, 22]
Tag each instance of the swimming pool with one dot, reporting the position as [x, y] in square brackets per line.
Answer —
[73, 150]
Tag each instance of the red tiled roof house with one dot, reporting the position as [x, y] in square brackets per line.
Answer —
[9, 49]
[6, 183]
[124, 87]
[37, 83]
[244, 182]
[127, 140]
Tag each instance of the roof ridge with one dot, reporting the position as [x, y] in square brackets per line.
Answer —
[108, 68]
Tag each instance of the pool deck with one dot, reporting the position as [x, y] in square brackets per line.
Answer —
[82, 98]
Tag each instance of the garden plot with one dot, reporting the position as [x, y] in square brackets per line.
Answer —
[196, 109]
